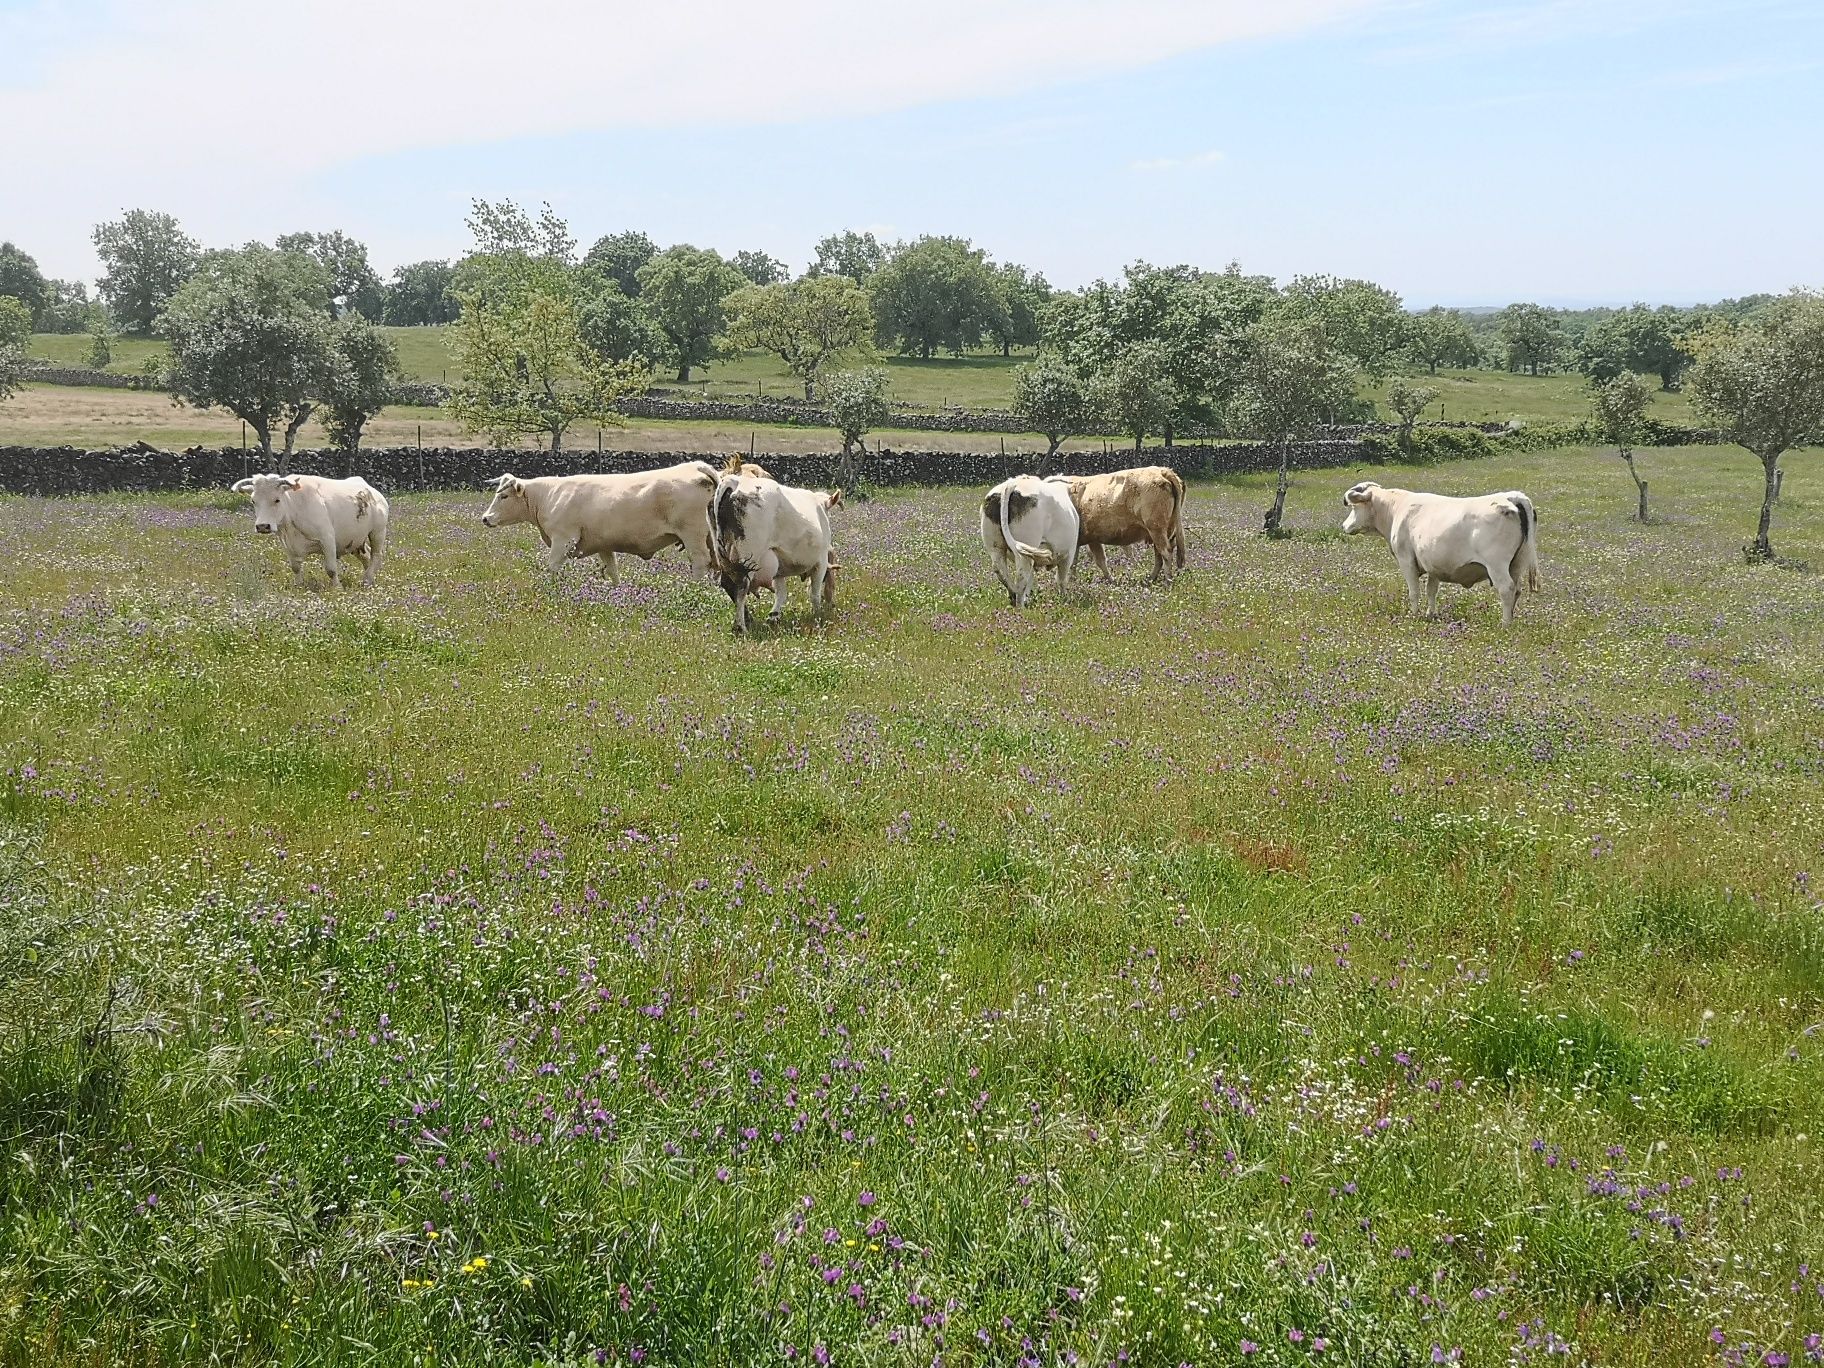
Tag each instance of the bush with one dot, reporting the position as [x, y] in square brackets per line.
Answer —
[1429, 446]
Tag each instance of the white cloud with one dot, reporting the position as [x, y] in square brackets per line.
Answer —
[218, 102]
[1151, 164]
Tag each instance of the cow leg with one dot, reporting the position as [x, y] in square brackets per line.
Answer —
[778, 599]
[1096, 555]
[332, 564]
[297, 572]
[607, 563]
[1162, 553]
[556, 554]
[376, 552]
[737, 594]
[1410, 570]
[1431, 596]
[1507, 590]
[819, 576]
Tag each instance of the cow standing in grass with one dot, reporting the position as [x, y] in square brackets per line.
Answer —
[763, 533]
[641, 513]
[314, 515]
[1027, 525]
[1440, 539]
[1144, 505]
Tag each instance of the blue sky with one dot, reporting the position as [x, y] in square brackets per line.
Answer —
[1462, 153]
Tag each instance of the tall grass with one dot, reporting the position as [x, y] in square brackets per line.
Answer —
[483, 969]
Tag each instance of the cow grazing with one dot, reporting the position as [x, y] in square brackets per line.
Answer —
[1029, 524]
[1441, 539]
[313, 515]
[599, 515]
[1131, 507]
[740, 465]
[763, 533]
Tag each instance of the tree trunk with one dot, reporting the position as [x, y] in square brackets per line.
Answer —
[264, 433]
[1049, 464]
[1762, 550]
[1006, 348]
[1168, 436]
[810, 387]
[683, 372]
[1434, 366]
[1139, 441]
[298, 419]
[1277, 513]
[1639, 483]
[557, 439]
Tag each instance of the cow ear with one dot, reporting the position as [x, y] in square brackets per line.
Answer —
[506, 484]
[1360, 494]
[241, 487]
[288, 482]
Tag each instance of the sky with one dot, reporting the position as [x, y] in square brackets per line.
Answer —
[1566, 151]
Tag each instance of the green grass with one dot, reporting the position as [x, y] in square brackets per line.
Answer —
[72, 349]
[1497, 396]
[1160, 968]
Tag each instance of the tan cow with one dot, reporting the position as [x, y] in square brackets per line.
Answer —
[640, 513]
[1125, 507]
[737, 464]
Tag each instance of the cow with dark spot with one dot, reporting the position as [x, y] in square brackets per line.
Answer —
[1029, 524]
[1439, 539]
[763, 533]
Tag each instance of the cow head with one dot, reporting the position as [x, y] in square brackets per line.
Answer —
[509, 504]
[268, 493]
[1359, 500]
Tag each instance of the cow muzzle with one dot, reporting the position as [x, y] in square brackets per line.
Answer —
[262, 528]
[487, 520]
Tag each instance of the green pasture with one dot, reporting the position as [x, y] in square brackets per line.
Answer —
[489, 969]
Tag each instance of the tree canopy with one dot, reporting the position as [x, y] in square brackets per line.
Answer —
[1439, 337]
[1532, 337]
[857, 404]
[807, 323]
[1761, 384]
[1292, 378]
[146, 256]
[249, 333]
[760, 268]
[358, 379]
[419, 295]
[526, 365]
[855, 255]
[1363, 321]
[21, 279]
[619, 256]
[683, 288]
[15, 329]
[1057, 400]
[353, 286]
[935, 294]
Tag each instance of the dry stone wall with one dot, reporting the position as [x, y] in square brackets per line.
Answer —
[51, 471]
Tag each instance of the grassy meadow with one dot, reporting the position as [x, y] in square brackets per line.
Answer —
[484, 969]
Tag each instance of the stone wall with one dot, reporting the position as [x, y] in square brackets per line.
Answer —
[70, 470]
[86, 376]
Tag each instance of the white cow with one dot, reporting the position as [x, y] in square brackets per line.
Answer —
[314, 515]
[1029, 524]
[763, 533]
[597, 515]
[1441, 539]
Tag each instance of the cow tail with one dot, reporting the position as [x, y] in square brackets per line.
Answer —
[724, 489]
[1178, 516]
[1038, 555]
[1525, 566]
